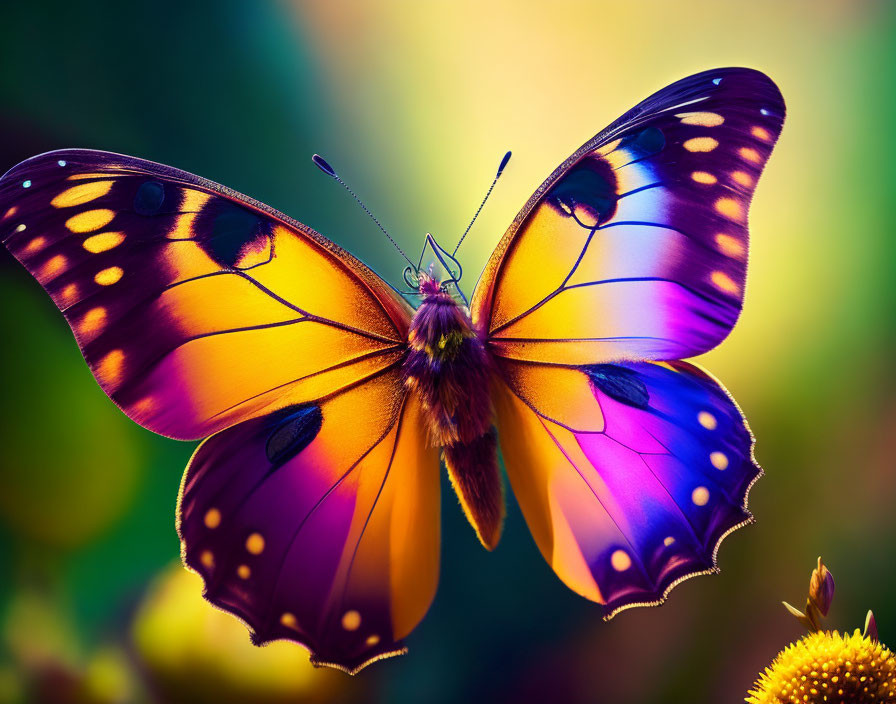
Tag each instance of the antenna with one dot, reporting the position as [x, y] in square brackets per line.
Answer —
[322, 164]
[488, 193]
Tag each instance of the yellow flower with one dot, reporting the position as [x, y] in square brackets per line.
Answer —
[828, 667]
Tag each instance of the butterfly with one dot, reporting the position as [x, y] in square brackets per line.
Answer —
[327, 398]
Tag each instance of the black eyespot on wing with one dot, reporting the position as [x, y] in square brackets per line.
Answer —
[292, 429]
[226, 231]
[619, 383]
[648, 142]
[149, 198]
[590, 184]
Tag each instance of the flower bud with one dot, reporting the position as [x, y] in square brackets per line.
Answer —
[871, 628]
[821, 588]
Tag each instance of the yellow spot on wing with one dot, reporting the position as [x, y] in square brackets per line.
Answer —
[703, 177]
[288, 620]
[731, 208]
[743, 178]
[669, 541]
[255, 544]
[109, 369]
[103, 241]
[707, 420]
[372, 640]
[12, 211]
[761, 133]
[700, 496]
[109, 276]
[725, 282]
[93, 320]
[212, 518]
[90, 220]
[703, 119]
[243, 571]
[35, 244]
[351, 620]
[82, 193]
[701, 144]
[620, 561]
[70, 294]
[207, 559]
[144, 405]
[193, 200]
[731, 246]
[750, 154]
[53, 267]
[719, 460]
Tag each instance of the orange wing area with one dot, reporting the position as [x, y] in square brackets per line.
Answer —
[194, 306]
[320, 523]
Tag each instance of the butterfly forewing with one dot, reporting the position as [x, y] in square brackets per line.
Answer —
[636, 247]
[194, 307]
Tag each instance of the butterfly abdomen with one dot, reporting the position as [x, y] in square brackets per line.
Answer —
[448, 367]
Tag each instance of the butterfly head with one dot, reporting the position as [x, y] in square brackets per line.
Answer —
[436, 272]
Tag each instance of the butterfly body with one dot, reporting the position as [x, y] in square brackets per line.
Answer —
[311, 508]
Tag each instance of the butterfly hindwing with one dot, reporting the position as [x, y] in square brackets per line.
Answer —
[194, 306]
[636, 247]
[630, 478]
[320, 523]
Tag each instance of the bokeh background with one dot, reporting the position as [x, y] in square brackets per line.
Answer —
[414, 103]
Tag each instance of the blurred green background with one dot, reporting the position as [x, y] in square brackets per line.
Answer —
[414, 103]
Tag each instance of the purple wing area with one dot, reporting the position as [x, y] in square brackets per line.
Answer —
[320, 523]
[636, 247]
[629, 485]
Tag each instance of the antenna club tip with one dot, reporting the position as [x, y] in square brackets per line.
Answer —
[322, 164]
[504, 163]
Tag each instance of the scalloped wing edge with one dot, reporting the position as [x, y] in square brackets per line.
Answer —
[715, 569]
[253, 638]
